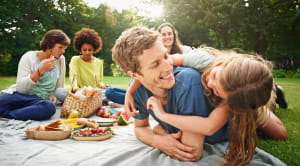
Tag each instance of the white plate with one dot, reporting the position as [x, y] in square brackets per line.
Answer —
[92, 138]
[106, 120]
[106, 124]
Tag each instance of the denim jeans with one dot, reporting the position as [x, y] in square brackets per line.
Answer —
[116, 95]
[21, 106]
[61, 94]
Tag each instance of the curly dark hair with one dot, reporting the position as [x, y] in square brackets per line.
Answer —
[87, 36]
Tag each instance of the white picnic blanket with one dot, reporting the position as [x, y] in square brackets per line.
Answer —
[121, 149]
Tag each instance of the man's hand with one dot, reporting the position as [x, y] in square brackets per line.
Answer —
[158, 129]
[171, 146]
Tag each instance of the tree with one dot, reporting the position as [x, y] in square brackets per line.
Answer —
[268, 27]
[22, 27]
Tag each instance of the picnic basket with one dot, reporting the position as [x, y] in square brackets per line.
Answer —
[85, 105]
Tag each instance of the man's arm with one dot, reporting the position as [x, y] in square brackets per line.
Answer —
[167, 143]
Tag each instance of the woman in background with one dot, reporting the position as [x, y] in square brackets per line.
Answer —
[170, 39]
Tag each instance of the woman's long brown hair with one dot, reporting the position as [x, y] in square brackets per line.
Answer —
[248, 81]
[177, 43]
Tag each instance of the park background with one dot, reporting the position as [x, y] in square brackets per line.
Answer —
[267, 27]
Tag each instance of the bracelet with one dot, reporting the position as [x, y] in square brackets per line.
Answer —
[39, 73]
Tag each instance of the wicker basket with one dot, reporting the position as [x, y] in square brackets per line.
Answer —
[86, 106]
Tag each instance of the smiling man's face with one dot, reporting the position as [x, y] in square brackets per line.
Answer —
[156, 68]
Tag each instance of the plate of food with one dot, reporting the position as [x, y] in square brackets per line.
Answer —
[104, 122]
[53, 131]
[92, 134]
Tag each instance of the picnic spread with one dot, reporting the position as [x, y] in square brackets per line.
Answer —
[108, 144]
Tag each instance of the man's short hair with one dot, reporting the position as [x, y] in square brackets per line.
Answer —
[131, 44]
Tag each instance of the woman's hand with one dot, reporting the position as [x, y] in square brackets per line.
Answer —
[47, 65]
[129, 107]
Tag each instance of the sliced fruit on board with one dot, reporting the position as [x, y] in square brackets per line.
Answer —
[92, 134]
[123, 119]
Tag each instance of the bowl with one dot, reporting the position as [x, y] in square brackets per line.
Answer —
[47, 135]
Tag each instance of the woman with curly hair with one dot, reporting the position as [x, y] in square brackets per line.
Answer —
[85, 69]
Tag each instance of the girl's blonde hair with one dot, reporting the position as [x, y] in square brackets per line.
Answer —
[248, 81]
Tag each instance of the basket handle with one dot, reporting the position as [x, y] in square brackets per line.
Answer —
[72, 82]
[95, 80]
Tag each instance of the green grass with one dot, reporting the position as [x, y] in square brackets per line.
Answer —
[121, 82]
[6, 82]
[288, 151]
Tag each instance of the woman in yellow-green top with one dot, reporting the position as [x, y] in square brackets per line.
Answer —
[86, 73]
[85, 69]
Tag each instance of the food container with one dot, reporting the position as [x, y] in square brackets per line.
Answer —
[92, 134]
[104, 122]
[92, 138]
[47, 135]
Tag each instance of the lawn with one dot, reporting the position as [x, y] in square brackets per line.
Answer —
[121, 82]
[288, 151]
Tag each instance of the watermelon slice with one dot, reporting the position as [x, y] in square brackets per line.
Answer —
[123, 119]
